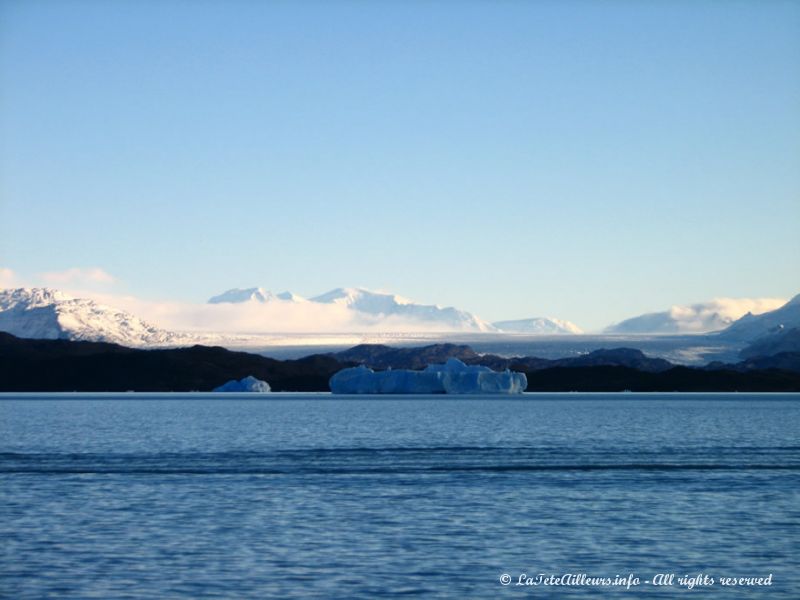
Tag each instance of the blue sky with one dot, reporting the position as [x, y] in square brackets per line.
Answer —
[583, 160]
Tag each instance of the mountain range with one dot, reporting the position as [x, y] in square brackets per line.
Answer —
[386, 306]
[50, 314]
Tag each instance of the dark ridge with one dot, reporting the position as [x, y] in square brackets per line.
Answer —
[779, 341]
[60, 365]
[66, 366]
[676, 379]
[783, 361]
[376, 356]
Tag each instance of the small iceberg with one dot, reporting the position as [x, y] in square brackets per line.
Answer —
[248, 384]
[453, 377]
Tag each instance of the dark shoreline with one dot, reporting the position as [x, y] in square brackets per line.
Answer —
[68, 366]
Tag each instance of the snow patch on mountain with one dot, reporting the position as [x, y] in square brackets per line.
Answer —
[363, 300]
[257, 294]
[391, 306]
[538, 326]
[290, 297]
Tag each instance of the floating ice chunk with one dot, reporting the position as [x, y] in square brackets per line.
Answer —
[361, 380]
[453, 377]
[459, 378]
[248, 384]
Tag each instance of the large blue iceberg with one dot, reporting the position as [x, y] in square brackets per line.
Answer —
[453, 377]
[248, 384]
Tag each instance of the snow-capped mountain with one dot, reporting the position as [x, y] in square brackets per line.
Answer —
[363, 300]
[290, 297]
[45, 313]
[385, 305]
[696, 318]
[257, 294]
[372, 307]
[751, 327]
[538, 326]
[390, 305]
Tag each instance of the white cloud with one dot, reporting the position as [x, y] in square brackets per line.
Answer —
[726, 308]
[312, 317]
[77, 277]
[8, 279]
[714, 315]
[259, 318]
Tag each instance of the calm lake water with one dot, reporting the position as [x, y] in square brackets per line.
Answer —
[304, 496]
